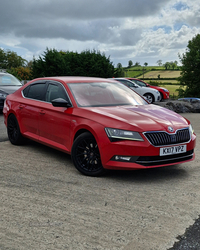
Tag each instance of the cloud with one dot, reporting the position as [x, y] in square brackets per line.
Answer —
[123, 29]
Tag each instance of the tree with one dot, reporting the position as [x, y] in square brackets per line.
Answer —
[119, 66]
[167, 65]
[176, 63]
[130, 63]
[137, 64]
[22, 73]
[145, 64]
[159, 62]
[173, 65]
[190, 74]
[87, 63]
[10, 59]
[2, 59]
[119, 71]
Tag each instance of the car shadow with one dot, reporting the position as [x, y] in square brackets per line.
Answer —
[158, 175]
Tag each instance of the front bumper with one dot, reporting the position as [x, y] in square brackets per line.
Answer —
[142, 155]
[166, 95]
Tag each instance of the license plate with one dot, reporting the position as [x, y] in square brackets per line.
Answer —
[173, 150]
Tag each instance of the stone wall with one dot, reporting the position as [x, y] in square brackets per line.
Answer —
[181, 106]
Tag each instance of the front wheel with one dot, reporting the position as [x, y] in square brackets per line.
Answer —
[161, 97]
[86, 156]
[149, 97]
[13, 131]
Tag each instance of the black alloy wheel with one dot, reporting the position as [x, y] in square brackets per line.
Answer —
[13, 131]
[85, 155]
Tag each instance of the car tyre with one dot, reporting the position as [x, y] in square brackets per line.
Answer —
[86, 156]
[13, 131]
[149, 97]
[161, 97]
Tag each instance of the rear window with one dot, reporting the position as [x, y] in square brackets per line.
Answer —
[35, 91]
[9, 80]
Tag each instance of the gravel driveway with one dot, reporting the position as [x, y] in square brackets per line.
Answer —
[46, 204]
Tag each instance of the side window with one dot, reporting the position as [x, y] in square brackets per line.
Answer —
[35, 91]
[141, 84]
[55, 91]
[126, 83]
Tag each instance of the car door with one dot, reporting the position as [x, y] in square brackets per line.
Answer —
[54, 122]
[29, 108]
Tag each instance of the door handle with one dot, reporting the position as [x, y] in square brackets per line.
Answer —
[42, 112]
[21, 106]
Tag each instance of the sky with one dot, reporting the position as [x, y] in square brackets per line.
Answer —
[142, 31]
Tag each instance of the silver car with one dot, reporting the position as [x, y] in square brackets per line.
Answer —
[8, 85]
[150, 94]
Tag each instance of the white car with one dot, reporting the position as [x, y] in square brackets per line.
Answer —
[151, 95]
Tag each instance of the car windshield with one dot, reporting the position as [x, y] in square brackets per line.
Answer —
[9, 80]
[98, 94]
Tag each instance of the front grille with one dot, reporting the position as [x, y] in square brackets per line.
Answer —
[163, 138]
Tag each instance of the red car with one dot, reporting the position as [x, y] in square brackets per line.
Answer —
[101, 123]
[164, 93]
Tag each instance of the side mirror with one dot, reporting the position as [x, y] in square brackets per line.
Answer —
[60, 102]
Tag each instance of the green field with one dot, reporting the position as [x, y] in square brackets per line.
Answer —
[168, 77]
[162, 82]
[172, 89]
[163, 74]
[153, 73]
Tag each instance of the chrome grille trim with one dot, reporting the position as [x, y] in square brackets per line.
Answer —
[163, 138]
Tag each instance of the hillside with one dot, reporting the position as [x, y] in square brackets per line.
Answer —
[163, 74]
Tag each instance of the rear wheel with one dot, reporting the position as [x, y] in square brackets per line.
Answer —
[13, 131]
[149, 97]
[85, 155]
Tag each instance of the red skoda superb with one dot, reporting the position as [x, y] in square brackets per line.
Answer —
[101, 123]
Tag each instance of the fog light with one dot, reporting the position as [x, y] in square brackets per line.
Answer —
[122, 158]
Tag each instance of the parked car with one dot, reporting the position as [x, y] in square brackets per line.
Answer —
[189, 99]
[8, 85]
[101, 123]
[164, 93]
[151, 95]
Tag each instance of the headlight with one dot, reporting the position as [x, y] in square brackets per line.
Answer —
[157, 92]
[191, 129]
[3, 95]
[166, 90]
[118, 134]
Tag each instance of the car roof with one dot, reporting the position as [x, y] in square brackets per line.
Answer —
[120, 78]
[74, 79]
[5, 73]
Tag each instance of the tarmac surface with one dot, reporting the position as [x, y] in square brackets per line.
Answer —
[46, 204]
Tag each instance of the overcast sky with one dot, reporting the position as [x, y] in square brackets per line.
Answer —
[137, 30]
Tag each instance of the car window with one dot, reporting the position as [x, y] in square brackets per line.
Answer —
[54, 91]
[141, 84]
[129, 84]
[9, 80]
[35, 91]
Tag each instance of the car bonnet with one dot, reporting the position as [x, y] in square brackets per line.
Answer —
[139, 118]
